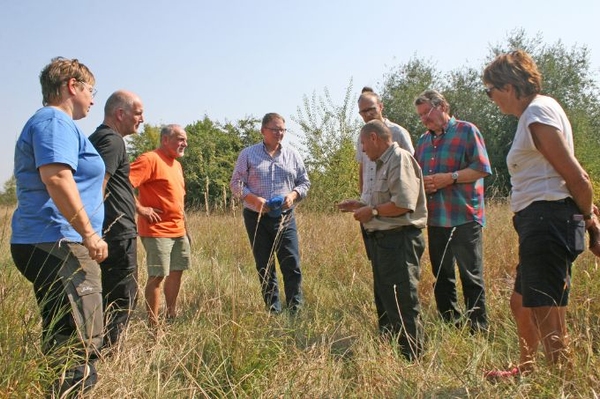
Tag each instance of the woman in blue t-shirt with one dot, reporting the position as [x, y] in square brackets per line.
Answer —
[56, 229]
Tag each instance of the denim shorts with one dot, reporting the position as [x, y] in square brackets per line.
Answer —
[551, 236]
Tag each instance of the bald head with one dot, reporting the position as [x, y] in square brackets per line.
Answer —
[123, 112]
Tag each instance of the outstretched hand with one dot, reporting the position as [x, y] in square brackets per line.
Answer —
[349, 205]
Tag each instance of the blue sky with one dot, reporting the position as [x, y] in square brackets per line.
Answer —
[232, 59]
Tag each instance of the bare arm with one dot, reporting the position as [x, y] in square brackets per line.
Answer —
[104, 183]
[389, 209]
[61, 187]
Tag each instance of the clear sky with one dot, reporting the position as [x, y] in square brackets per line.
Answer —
[235, 58]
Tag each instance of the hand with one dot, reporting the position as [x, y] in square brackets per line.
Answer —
[594, 232]
[363, 214]
[437, 181]
[151, 214]
[429, 184]
[289, 200]
[96, 246]
[349, 205]
[260, 204]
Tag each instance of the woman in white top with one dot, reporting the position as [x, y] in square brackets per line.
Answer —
[552, 201]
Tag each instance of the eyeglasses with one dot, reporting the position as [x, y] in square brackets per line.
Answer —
[90, 88]
[367, 110]
[427, 114]
[276, 130]
[488, 91]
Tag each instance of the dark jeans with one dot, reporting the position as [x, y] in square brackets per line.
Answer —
[276, 238]
[464, 244]
[119, 287]
[395, 258]
[66, 284]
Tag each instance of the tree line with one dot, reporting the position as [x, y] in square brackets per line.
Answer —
[329, 130]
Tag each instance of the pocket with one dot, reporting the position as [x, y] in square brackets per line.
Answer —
[576, 235]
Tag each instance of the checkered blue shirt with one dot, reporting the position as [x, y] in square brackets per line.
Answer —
[258, 173]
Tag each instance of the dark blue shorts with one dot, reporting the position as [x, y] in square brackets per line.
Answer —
[551, 235]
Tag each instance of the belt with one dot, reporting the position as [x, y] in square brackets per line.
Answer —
[287, 211]
[390, 232]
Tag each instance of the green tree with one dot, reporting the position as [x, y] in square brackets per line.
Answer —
[212, 151]
[9, 192]
[330, 133]
[567, 77]
[209, 158]
[401, 86]
[147, 140]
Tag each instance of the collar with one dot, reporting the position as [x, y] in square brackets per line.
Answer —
[387, 154]
[449, 125]
[267, 150]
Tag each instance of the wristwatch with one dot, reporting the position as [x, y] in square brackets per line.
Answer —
[454, 177]
[374, 211]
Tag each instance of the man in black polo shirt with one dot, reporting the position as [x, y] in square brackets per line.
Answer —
[123, 114]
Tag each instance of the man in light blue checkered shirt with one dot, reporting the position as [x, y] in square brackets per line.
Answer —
[271, 178]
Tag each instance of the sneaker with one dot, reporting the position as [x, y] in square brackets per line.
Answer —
[502, 375]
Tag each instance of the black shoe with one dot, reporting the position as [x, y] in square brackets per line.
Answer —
[75, 381]
[275, 309]
[294, 310]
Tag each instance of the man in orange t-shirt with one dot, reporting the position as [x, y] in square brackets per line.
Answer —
[158, 177]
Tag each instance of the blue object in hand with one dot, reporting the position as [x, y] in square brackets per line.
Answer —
[275, 205]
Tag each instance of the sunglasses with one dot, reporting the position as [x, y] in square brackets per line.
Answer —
[488, 91]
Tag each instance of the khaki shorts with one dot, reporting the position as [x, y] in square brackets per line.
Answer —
[164, 255]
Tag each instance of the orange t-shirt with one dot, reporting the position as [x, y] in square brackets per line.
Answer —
[160, 184]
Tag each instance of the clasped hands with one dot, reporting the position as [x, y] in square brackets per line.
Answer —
[260, 203]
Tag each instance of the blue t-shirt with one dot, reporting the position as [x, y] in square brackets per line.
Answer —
[51, 136]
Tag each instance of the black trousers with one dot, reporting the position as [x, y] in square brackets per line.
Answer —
[396, 261]
[119, 287]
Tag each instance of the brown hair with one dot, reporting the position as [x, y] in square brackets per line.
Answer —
[59, 71]
[367, 92]
[270, 116]
[517, 69]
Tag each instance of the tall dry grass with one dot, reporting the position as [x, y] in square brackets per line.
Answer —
[224, 344]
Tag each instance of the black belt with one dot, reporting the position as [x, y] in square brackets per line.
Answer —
[385, 233]
[283, 213]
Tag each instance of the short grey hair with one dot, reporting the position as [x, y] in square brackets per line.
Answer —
[433, 98]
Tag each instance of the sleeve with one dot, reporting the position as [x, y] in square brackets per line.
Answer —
[405, 195]
[359, 153]
[302, 183]
[55, 142]
[140, 170]
[477, 153]
[112, 150]
[239, 178]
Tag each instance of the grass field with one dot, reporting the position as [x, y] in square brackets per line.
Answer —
[224, 345]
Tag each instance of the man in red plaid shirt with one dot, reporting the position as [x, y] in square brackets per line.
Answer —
[454, 161]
